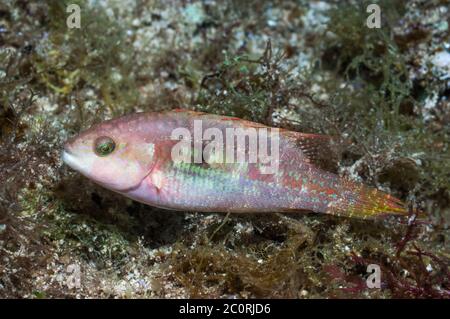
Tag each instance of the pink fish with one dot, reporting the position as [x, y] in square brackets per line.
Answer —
[134, 156]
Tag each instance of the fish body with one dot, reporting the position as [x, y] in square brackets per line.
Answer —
[141, 166]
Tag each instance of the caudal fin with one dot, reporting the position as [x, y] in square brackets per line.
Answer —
[360, 201]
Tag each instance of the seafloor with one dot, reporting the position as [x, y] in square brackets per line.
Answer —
[310, 66]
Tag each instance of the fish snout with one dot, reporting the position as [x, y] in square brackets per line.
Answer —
[68, 153]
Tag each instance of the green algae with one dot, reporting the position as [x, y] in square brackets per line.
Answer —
[75, 231]
[97, 55]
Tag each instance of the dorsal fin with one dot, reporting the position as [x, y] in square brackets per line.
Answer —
[320, 150]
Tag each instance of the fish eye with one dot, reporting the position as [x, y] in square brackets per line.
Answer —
[104, 146]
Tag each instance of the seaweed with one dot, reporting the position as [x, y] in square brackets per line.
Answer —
[96, 55]
[264, 268]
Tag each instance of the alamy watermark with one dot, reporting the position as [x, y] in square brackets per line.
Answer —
[212, 147]
[374, 279]
[73, 279]
[374, 19]
[74, 19]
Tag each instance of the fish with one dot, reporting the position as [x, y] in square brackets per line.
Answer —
[134, 155]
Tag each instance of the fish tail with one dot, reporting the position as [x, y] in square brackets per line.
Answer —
[357, 200]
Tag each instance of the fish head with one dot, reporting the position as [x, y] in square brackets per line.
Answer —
[116, 154]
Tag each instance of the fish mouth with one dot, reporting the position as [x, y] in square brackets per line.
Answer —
[68, 158]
